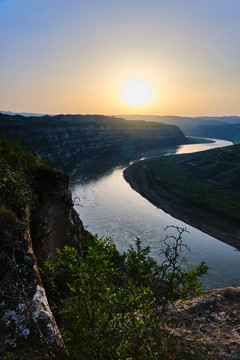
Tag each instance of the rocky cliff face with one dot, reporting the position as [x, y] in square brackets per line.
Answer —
[54, 222]
[27, 325]
[71, 141]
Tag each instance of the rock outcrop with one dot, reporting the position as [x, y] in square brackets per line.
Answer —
[210, 322]
[26, 320]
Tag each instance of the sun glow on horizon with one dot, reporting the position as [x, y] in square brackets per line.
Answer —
[136, 93]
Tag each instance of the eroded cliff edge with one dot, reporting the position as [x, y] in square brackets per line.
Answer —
[27, 326]
[54, 221]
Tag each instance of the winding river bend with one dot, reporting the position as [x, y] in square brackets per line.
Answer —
[110, 207]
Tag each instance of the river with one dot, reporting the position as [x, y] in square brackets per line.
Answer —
[108, 206]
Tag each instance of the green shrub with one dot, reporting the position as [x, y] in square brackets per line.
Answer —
[112, 304]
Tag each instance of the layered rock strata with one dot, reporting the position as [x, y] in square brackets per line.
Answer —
[73, 141]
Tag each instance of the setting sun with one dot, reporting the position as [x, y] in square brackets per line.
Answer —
[136, 92]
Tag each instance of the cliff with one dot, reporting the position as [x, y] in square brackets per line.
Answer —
[36, 217]
[74, 141]
[54, 221]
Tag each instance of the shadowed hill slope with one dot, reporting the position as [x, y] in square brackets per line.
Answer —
[224, 131]
[190, 125]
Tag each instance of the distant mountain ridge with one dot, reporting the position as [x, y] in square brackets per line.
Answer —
[195, 126]
[223, 131]
[23, 113]
[206, 126]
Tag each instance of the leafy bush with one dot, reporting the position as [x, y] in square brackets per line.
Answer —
[111, 304]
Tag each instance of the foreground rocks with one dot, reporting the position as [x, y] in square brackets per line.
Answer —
[27, 325]
[210, 322]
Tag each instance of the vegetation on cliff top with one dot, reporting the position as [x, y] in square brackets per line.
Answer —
[18, 171]
[209, 180]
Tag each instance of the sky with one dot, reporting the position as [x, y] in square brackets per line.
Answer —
[75, 56]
